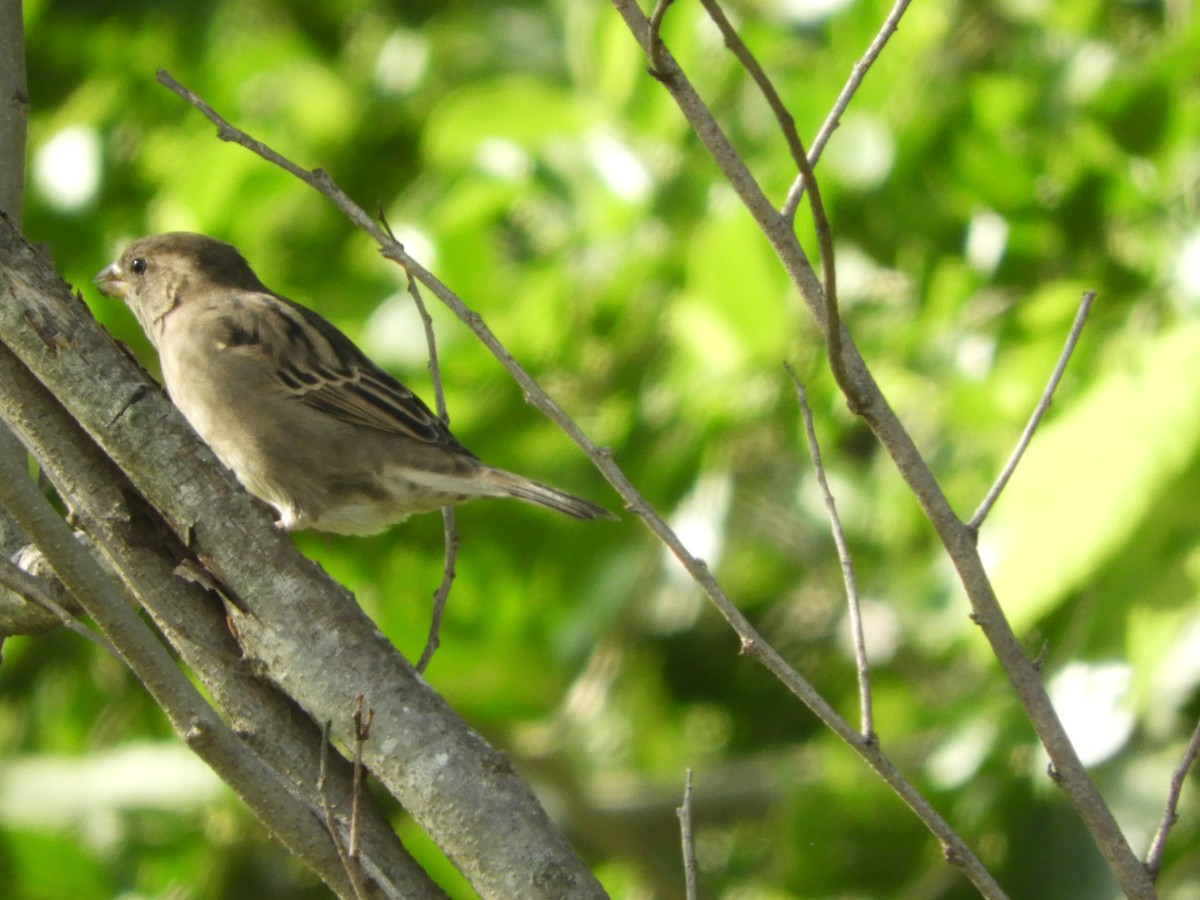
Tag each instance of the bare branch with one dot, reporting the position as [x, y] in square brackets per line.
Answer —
[955, 536]
[349, 852]
[1170, 814]
[362, 732]
[268, 722]
[36, 591]
[685, 835]
[449, 532]
[857, 74]
[435, 369]
[654, 45]
[867, 727]
[751, 641]
[20, 610]
[304, 632]
[450, 541]
[192, 718]
[1039, 411]
[316, 178]
[350, 866]
[14, 110]
[833, 324]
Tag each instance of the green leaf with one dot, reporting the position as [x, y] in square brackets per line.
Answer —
[1089, 478]
[42, 865]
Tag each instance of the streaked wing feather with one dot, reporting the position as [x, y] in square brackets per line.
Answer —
[323, 369]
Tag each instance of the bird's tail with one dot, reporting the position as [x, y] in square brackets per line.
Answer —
[522, 488]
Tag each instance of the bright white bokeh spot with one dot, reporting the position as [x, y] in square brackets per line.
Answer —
[699, 521]
[394, 334]
[93, 793]
[1089, 69]
[1094, 704]
[401, 62]
[856, 274]
[861, 279]
[66, 169]
[974, 355]
[956, 761]
[417, 244]
[1186, 270]
[989, 551]
[882, 632]
[1025, 9]
[809, 12]
[1175, 678]
[618, 167]
[503, 158]
[987, 237]
[861, 152]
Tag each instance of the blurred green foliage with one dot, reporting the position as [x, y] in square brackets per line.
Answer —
[1001, 157]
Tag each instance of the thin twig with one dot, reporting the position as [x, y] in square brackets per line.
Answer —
[1085, 305]
[450, 542]
[1171, 814]
[857, 74]
[350, 859]
[843, 551]
[752, 642]
[316, 178]
[435, 369]
[450, 537]
[787, 124]
[37, 591]
[654, 44]
[959, 541]
[685, 834]
[327, 807]
[362, 731]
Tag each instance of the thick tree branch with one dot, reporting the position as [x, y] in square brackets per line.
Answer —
[191, 717]
[145, 555]
[305, 632]
[14, 109]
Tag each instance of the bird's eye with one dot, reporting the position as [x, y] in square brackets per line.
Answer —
[137, 266]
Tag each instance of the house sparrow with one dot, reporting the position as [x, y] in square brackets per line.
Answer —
[304, 419]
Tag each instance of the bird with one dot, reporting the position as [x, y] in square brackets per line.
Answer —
[303, 418]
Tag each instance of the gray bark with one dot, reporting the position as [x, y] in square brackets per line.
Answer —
[295, 626]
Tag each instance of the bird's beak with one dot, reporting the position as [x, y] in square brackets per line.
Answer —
[111, 281]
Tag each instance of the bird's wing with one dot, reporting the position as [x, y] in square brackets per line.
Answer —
[322, 368]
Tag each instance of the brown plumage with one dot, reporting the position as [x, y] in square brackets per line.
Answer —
[303, 418]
